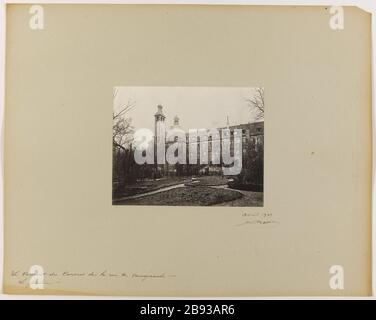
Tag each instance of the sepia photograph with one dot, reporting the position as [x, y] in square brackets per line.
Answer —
[188, 146]
[194, 198]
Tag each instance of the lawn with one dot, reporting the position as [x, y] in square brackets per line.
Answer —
[187, 196]
[149, 185]
[208, 181]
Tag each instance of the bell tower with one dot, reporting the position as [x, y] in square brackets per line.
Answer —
[176, 121]
[159, 125]
[159, 141]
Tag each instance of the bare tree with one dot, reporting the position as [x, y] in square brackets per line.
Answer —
[122, 129]
[122, 154]
[257, 103]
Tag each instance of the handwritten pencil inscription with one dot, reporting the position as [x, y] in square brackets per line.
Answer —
[25, 278]
[257, 219]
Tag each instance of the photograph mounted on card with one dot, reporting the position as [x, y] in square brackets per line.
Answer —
[188, 146]
[187, 150]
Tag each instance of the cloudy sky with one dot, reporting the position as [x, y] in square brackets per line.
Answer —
[197, 107]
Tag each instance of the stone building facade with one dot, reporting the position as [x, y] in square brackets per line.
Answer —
[252, 141]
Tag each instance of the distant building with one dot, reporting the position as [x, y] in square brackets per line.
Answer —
[252, 140]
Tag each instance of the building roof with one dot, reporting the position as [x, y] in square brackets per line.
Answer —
[255, 128]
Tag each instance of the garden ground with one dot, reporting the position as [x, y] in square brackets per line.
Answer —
[191, 191]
